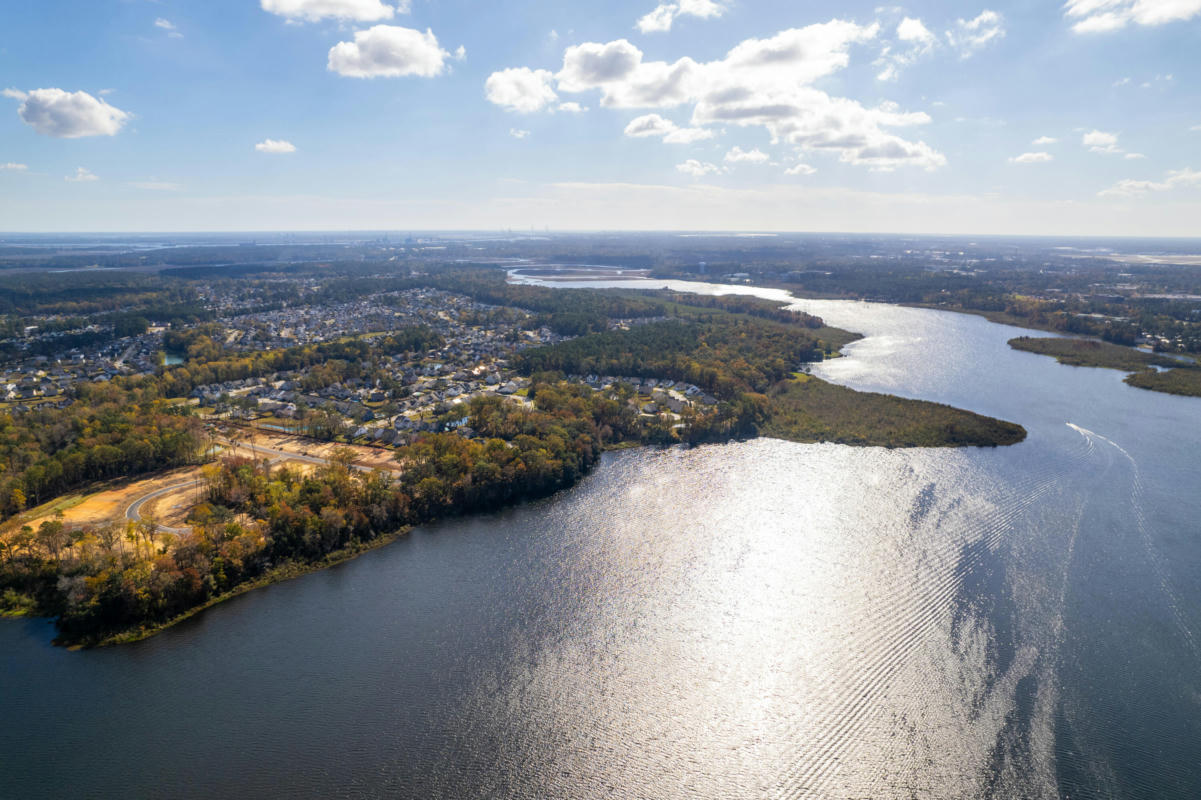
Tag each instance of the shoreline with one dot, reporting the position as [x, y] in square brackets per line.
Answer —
[794, 423]
[280, 574]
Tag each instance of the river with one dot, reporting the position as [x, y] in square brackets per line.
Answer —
[752, 620]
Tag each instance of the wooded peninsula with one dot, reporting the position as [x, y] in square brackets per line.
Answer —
[476, 393]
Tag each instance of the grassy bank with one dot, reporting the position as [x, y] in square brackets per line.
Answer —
[1181, 381]
[1180, 378]
[808, 409]
[1092, 353]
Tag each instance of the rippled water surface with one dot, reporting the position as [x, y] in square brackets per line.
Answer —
[751, 620]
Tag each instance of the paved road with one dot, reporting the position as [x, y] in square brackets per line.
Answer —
[134, 511]
[290, 455]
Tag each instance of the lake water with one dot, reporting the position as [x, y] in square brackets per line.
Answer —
[753, 620]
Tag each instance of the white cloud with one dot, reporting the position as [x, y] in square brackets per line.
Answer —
[759, 83]
[389, 51]
[660, 20]
[12, 166]
[156, 186]
[1134, 156]
[969, 36]
[81, 175]
[1102, 16]
[275, 146]
[572, 108]
[521, 89]
[67, 115]
[1102, 142]
[169, 27]
[1032, 158]
[698, 169]
[914, 41]
[800, 169]
[517, 133]
[592, 65]
[655, 125]
[1196, 129]
[313, 10]
[1043, 141]
[739, 156]
[1134, 188]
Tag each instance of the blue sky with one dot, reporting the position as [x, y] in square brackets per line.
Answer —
[172, 115]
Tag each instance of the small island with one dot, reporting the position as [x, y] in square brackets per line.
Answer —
[1151, 371]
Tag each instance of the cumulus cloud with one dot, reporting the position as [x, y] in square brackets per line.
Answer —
[800, 169]
[913, 42]
[390, 51]
[275, 146]
[698, 169]
[739, 156]
[1032, 158]
[67, 115]
[969, 36]
[759, 83]
[1102, 142]
[517, 133]
[1043, 141]
[313, 10]
[521, 89]
[12, 166]
[82, 175]
[655, 125]
[1175, 179]
[1101, 16]
[572, 108]
[661, 18]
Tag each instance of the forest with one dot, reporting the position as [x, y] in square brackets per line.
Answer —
[260, 521]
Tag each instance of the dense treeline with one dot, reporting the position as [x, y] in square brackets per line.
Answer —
[33, 294]
[724, 355]
[257, 517]
[108, 432]
[744, 304]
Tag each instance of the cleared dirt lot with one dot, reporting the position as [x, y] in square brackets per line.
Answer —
[111, 503]
[371, 457]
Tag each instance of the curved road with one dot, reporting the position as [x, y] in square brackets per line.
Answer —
[134, 511]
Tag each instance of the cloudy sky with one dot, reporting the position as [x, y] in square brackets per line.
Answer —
[1025, 116]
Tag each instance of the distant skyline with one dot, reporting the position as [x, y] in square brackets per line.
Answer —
[1080, 118]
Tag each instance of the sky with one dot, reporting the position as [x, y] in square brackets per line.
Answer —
[1020, 117]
